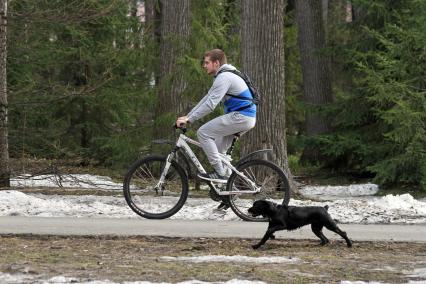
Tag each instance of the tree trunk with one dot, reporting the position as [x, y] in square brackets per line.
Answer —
[315, 68]
[263, 59]
[175, 27]
[152, 19]
[4, 147]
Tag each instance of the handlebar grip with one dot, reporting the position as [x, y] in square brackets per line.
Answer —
[181, 127]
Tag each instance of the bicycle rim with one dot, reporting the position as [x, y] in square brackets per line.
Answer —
[145, 198]
[268, 176]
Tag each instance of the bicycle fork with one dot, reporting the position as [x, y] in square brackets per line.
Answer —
[169, 159]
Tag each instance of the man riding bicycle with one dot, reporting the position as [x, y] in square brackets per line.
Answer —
[216, 135]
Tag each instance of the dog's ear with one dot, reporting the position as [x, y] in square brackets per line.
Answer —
[272, 207]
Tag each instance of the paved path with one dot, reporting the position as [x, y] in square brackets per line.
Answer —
[191, 228]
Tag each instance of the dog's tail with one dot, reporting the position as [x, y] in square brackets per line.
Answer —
[326, 207]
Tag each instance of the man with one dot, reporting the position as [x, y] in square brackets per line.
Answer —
[240, 112]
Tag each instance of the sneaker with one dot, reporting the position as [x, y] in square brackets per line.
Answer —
[221, 209]
[223, 206]
[214, 177]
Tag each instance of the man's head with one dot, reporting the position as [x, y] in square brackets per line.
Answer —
[213, 59]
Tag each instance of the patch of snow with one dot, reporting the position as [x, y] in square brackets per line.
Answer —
[82, 181]
[351, 204]
[348, 191]
[389, 209]
[230, 258]
[16, 203]
[419, 274]
[360, 282]
[6, 278]
[87, 181]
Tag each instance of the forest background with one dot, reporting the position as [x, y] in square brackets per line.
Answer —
[343, 83]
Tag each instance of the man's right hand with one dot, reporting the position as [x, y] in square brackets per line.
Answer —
[182, 121]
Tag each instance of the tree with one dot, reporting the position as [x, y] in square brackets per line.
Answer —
[379, 123]
[4, 148]
[315, 70]
[174, 27]
[75, 81]
[263, 59]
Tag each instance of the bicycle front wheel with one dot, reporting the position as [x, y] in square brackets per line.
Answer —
[271, 179]
[149, 199]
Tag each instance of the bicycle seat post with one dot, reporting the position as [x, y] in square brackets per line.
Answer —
[231, 149]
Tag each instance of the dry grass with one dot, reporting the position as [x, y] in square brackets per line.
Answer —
[139, 258]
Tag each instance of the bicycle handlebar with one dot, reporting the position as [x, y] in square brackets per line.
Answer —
[180, 127]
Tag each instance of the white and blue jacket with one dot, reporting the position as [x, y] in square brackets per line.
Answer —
[225, 83]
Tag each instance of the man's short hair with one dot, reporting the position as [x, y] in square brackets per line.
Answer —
[216, 54]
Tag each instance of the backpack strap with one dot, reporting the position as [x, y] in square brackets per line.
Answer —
[238, 73]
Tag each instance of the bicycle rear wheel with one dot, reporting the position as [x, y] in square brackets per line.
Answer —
[143, 196]
[266, 175]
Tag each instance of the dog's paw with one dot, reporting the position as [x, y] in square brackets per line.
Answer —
[256, 246]
[272, 237]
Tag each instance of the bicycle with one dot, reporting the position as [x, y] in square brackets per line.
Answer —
[156, 187]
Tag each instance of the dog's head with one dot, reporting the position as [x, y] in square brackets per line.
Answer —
[263, 207]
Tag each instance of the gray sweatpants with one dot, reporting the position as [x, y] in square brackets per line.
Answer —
[216, 135]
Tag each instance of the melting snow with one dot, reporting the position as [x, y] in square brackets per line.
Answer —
[6, 278]
[83, 181]
[359, 282]
[349, 204]
[388, 209]
[232, 258]
[342, 191]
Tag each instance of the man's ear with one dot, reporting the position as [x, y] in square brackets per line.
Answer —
[216, 64]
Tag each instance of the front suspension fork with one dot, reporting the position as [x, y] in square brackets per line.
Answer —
[165, 170]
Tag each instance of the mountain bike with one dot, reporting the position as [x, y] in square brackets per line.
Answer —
[156, 187]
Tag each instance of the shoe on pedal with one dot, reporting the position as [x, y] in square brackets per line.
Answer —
[223, 206]
[214, 177]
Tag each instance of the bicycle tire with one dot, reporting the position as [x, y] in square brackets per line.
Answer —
[274, 187]
[144, 198]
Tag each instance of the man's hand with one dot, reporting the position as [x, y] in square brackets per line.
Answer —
[181, 121]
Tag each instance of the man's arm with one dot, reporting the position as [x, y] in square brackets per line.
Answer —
[216, 93]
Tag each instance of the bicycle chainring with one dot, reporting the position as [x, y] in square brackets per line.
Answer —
[213, 195]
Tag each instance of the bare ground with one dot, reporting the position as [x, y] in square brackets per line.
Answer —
[139, 258]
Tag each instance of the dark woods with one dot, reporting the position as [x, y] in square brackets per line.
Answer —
[343, 82]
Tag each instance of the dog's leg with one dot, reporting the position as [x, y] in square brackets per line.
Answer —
[333, 227]
[270, 232]
[317, 229]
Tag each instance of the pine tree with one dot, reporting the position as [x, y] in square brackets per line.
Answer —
[77, 80]
[380, 122]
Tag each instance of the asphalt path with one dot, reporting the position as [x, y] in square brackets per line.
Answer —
[195, 228]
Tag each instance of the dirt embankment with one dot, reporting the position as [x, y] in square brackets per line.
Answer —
[140, 258]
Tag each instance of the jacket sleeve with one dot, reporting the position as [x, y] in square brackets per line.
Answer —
[209, 102]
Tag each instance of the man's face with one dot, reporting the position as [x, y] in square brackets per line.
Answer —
[211, 66]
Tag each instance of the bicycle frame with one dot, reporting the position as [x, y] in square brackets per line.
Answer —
[182, 143]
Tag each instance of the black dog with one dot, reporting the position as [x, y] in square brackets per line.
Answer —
[283, 217]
